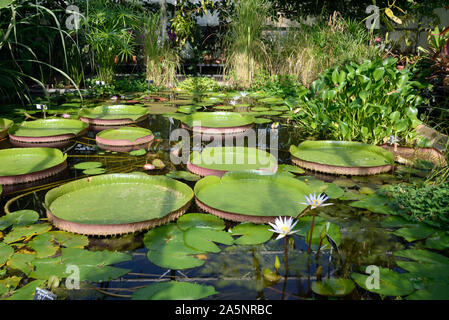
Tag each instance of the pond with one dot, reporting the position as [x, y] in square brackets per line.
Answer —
[236, 271]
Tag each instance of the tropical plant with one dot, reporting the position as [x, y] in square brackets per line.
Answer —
[161, 59]
[20, 63]
[245, 48]
[365, 102]
[110, 33]
[198, 84]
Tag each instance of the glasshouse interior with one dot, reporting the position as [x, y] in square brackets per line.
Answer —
[224, 150]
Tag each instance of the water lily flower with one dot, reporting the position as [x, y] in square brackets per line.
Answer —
[243, 94]
[236, 97]
[316, 201]
[114, 98]
[283, 227]
[233, 102]
[66, 115]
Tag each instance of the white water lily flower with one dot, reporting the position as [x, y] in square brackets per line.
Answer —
[316, 201]
[243, 94]
[233, 102]
[236, 97]
[283, 227]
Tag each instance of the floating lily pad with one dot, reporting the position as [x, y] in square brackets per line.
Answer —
[173, 290]
[161, 109]
[18, 219]
[183, 175]
[374, 203]
[20, 233]
[29, 164]
[290, 168]
[270, 275]
[139, 152]
[342, 182]
[436, 291]
[257, 109]
[416, 232]
[249, 196]
[333, 287]
[167, 249]
[115, 112]
[124, 136]
[9, 284]
[6, 251]
[203, 239]
[200, 220]
[219, 160]
[334, 191]
[47, 128]
[93, 266]
[88, 165]
[262, 120]
[390, 283]
[80, 206]
[423, 256]
[342, 157]
[26, 292]
[438, 241]
[94, 171]
[251, 234]
[22, 262]
[217, 119]
[47, 244]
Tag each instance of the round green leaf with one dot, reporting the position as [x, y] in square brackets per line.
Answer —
[173, 290]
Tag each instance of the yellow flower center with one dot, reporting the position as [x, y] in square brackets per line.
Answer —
[316, 202]
[286, 229]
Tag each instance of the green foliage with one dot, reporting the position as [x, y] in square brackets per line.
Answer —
[173, 290]
[428, 203]
[365, 102]
[198, 84]
[278, 85]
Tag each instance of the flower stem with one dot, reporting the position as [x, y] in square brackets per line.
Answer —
[311, 234]
[285, 256]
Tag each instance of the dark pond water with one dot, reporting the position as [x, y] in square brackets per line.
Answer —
[237, 271]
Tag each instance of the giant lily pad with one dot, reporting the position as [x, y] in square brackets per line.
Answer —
[116, 203]
[20, 165]
[5, 124]
[219, 160]
[48, 131]
[167, 249]
[124, 139]
[114, 115]
[251, 196]
[217, 122]
[173, 290]
[342, 157]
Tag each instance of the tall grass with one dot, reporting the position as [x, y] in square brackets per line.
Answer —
[307, 51]
[244, 42]
[161, 59]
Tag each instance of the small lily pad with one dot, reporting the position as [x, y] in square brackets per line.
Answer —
[24, 232]
[167, 249]
[95, 171]
[137, 153]
[27, 291]
[174, 290]
[415, 232]
[6, 251]
[251, 234]
[390, 283]
[202, 239]
[18, 219]
[290, 168]
[88, 165]
[333, 287]
[200, 220]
